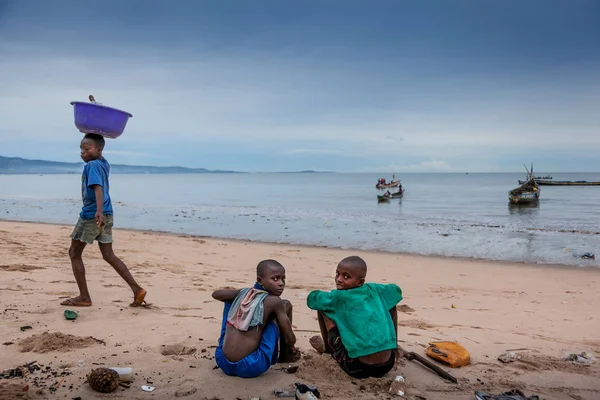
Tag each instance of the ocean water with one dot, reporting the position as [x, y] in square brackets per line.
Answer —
[440, 214]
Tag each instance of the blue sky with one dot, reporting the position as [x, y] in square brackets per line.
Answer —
[398, 86]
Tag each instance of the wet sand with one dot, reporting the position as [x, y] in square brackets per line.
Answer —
[489, 307]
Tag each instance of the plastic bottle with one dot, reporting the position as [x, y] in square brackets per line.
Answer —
[398, 387]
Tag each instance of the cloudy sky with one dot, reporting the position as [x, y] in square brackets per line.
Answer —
[338, 85]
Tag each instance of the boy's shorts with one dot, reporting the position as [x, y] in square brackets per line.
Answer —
[255, 363]
[353, 366]
[87, 231]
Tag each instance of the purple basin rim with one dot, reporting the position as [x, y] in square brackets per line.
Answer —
[100, 105]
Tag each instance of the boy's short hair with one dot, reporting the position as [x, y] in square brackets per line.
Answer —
[97, 139]
[262, 266]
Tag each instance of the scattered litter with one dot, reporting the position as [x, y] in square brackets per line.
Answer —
[24, 328]
[71, 315]
[148, 388]
[588, 256]
[38, 375]
[508, 357]
[580, 358]
[450, 353]
[304, 392]
[125, 374]
[284, 393]
[7, 343]
[290, 369]
[398, 387]
[514, 394]
[453, 306]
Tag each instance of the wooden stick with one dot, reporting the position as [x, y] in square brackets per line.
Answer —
[414, 356]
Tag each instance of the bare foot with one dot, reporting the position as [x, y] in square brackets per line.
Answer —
[138, 298]
[317, 343]
[290, 356]
[77, 302]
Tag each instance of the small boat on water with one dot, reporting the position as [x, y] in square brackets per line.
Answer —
[398, 194]
[543, 177]
[392, 184]
[547, 182]
[527, 193]
[387, 196]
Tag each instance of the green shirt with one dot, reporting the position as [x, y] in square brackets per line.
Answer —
[362, 316]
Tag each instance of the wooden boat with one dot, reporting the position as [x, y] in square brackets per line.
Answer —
[527, 193]
[546, 182]
[392, 184]
[398, 194]
[383, 199]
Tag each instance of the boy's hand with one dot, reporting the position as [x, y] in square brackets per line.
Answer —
[100, 219]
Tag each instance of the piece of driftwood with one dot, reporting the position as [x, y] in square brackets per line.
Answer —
[409, 355]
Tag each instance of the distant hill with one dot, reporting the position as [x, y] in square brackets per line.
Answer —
[17, 165]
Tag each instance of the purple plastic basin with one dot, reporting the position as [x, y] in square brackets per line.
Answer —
[102, 120]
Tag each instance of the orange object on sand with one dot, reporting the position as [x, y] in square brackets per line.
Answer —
[449, 353]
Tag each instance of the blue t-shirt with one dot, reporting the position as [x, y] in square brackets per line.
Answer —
[95, 172]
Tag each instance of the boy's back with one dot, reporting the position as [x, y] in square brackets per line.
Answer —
[238, 344]
[255, 322]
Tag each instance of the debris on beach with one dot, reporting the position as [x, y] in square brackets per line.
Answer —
[398, 387]
[508, 357]
[38, 375]
[449, 353]
[514, 394]
[580, 358]
[588, 256]
[284, 393]
[71, 315]
[304, 392]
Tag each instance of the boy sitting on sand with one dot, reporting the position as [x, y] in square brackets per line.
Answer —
[358, 321]
[254, 321]
[95, 223]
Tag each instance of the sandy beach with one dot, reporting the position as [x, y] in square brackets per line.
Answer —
[540, 312]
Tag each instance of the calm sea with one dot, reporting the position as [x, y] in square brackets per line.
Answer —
[440, 214]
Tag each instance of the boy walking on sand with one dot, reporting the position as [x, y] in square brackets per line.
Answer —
[95, 223]
[255, 321]
[358, 321]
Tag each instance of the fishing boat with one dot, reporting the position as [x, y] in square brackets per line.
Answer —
[398, 194]
[527, 193]
[392, 184]
[387, 196]
[546, 182]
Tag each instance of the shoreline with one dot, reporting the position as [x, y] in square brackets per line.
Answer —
[376, 251]
[488, 307]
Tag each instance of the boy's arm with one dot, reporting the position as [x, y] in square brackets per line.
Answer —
[225, 294]
[99, 205]
[320, 301]
[284, 323]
